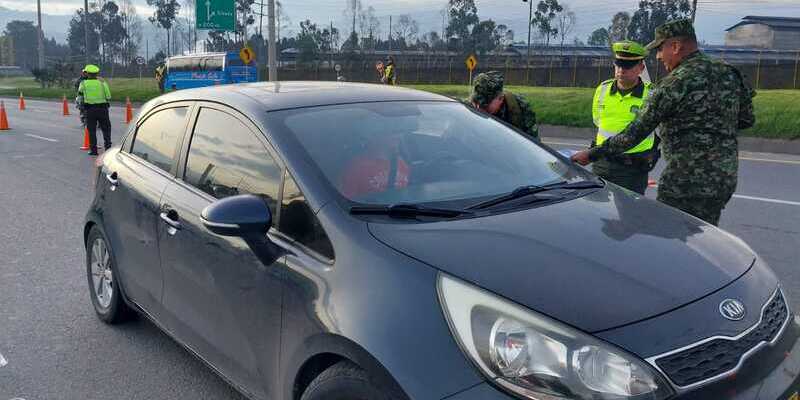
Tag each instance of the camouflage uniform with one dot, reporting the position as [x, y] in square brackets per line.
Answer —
[701, 106]
[515, 110]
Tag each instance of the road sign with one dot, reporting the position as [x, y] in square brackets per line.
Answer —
[139, 60]
[247, 55]
[215, 14]
[337, 67]
[471, 62]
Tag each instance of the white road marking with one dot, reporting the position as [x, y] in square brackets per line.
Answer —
[40, 137]
[3, 361]
[741, 158]
[769, 160]
[787, 202]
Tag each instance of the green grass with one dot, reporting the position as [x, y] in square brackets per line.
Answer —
[138, 91]
[777, 111]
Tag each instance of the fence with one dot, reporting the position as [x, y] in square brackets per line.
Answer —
[761, 72]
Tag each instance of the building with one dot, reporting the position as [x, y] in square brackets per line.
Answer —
[765, 32]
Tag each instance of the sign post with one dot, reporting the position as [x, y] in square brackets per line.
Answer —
[471, 62]
[215, 15]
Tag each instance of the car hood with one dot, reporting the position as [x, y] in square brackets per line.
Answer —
[598, 262]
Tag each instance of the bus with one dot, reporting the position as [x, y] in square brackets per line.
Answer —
[207, 69]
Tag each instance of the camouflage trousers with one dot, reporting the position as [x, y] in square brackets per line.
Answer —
[631, 177]
[708, 209]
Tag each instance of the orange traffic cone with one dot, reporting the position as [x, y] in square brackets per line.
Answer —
[21, 101]
[85, 139]
[3, 117]
[128, 110]
[65, 106]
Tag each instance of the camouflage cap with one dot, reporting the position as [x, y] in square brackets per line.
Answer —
[486, 86]
[677, 28]
[629, 50]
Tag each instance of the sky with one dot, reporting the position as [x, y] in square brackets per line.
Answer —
[713, 16]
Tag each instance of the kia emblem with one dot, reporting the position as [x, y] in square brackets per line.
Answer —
[732, 309]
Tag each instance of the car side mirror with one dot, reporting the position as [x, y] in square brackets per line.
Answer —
[237, 216]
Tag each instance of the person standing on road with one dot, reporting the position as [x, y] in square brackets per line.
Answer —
[79, 99]
[700, 105]
[389, 74]
[96, 97]
[161, 76]
[615, 105]
[488, 96]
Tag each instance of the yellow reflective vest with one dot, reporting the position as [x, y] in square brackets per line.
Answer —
[612, 112]
[94, 91]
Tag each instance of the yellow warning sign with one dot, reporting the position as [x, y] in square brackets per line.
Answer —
[471, 62]
[247, 55]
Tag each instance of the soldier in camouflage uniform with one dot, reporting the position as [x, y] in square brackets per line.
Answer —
[488, 95]
[700, 105]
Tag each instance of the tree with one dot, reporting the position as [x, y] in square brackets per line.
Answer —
[565, 23]
[619, 27]
[369, 25]
[405, 30]
[23, 36]
[652, 13]
[543, 19]
[244, 18]
[598, 38]
[112, 32]
[463, 19]
[164, 16]
[76, 39]
[352, 12]
[308, 41]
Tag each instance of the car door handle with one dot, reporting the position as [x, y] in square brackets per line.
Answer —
[171, 219]
[113, 180]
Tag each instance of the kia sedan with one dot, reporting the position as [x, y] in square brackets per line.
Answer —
[312, 240]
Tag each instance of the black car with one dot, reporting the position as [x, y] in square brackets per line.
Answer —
[313, 240]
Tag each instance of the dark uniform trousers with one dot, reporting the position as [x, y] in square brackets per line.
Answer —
[630, 173]
[98, 114]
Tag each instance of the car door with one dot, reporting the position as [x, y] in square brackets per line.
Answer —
[222, 295]
[138, 174]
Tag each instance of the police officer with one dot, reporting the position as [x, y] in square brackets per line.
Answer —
[160, 76]
[616, 103]
[389, 74]
[488, 95]
[700, 105]
[96, 97]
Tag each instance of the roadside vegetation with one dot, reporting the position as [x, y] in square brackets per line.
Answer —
[777, 111]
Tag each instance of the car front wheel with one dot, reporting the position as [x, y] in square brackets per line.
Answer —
[344, 381]
[103, 283]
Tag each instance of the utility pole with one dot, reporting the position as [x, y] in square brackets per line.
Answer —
[528, 59]
[331, 45]
[273, 67]
[694, 9]
[390, 35]
[86, 29]
[261, 20]
[41, 44]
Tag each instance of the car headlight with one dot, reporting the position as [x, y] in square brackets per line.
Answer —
[538, 358]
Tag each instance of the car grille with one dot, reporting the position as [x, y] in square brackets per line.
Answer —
[718, 356]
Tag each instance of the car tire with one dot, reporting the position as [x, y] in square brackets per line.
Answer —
[102, 276]
[344, 381]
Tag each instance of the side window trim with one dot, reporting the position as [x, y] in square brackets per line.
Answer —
[131, 139]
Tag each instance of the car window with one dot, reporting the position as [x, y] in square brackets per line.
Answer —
[418, 152]
[158, 136]
[225, 159]
[298, 222]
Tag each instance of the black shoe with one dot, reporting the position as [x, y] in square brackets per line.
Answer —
[108, 146]
[92, 152]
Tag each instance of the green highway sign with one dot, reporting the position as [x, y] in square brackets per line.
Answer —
[215, 14]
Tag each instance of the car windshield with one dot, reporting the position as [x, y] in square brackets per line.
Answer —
[419, 152]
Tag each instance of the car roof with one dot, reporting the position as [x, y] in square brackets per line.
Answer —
[272, 96]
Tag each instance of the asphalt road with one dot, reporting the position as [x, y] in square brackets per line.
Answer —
[54, 346]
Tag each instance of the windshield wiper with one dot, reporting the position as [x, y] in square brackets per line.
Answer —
[408, 211]
[528, 190]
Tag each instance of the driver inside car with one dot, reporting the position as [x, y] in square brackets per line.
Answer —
[372, 171]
